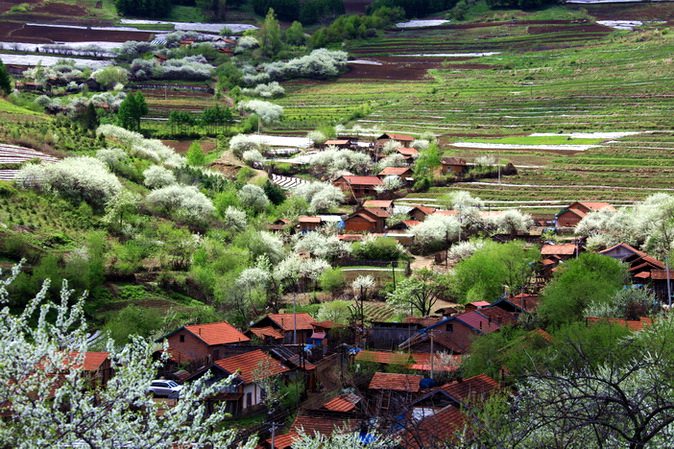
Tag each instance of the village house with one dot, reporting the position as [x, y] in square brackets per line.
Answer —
[316, 424]
[571, 215]
[454, 334]
[421, 361]
[279, 225]
[96, 366]
[419, 213]
[343, 144]
[391, 392]
[453, 166]
[366, 220]
[409, 154]
[640, 264]
[659, 280]
[386, 205]
[522, 303]
[289, 324]
[203, 343]
[553, 255]
[307, 224]
[355, 187]
[404, 173]
[245, 394]
[403, 139]
[632, 325]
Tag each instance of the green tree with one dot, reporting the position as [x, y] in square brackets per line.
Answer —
[295, 34]
[195, 154]
[132, 110]
[591, 278]
[418, 293]
[491, 270]
[133, 320]
[5, 80]
[275, 193]
[428, 160]
[332, 280]
[269, 35]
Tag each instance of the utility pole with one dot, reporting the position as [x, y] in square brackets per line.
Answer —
[294, 318]
[432, 355]
[669, 284]
[273, 435]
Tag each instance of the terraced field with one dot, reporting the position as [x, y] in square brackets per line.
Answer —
[553, 77]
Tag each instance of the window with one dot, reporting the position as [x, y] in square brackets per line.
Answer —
[249, 400]
[182, 339]
[450, 327]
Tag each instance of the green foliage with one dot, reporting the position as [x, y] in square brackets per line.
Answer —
[132, 109]
[490, 270]
[428, 160]
[591, 278]
[291, 393]
[229, 76]
[295, 35]
[195, 154]
[5, 80]
[144, 8]
[332, 280]
[337, 311]
[133, 320]
[269, 35]
[275, 193]
[354, 27]
[381, 248]
[414, 8]
[313, 11]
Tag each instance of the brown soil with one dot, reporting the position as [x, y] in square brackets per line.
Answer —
[61, 9]
[181, 146]
[632, 11]
[6, 5]
[41, 34]
[592, 28]
[405, 68]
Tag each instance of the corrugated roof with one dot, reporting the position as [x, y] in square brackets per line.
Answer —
[397, 382]
[377, 212]
[596, 205]
[453, 161]
[217, 333]
[252, 365]
[478, 321]
[305, 219]
[424, 209]
[337, 142]
[480, 303]
[407, 151]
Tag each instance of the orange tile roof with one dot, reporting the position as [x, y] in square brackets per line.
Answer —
[284, 441]
[424, 209]
[446, 212]
[596, 205]
[383, 204]
[286, 321]
[467, 390]
[337, 142]
[342, 403]
[246, 364]
[377, 212]
[632, 325]
[397, 382]
[443, 426]
[266, 331]
[565, 249]
[543, 334]
[217, 333]
[92, 361]
[408, 151]
[394, 171]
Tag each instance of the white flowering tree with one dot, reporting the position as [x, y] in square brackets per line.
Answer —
[461, 199]
[512, 221]
[141, 147]
[344, 440]
[79, 178]
[242, 143]
[251, 156]
[268, 112]
[320, 196]
[113, 157]
[320, 245]
[253, 196]
[184, 202]
[317, 137]
[234, 219]
[436, 230]
[51, 402]
[334, 161]
[157, 177]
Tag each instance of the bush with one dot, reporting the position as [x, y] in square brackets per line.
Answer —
[319, 64]
[332, 280]
[268, 112]
[382, 248]
[185, 202]
[254, 197]
[271, 90]
[157, 177]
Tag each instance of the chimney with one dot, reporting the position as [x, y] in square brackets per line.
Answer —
[480, 324]
[200, 332]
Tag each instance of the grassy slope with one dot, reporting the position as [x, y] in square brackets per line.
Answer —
[547, 78]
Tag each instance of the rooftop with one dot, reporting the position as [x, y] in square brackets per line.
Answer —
[252, 366]
[397, 382]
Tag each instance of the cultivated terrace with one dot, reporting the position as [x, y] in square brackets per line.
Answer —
[308, 224]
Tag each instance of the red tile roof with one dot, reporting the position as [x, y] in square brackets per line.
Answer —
[266, 331]
[453, 161]
[394, 171]
[443, 426]
[543, 334]
[327, 324]
[408, 151]
[376, 212]
[363, 180]
[92, 361]
[446, 212]
[480, 303]
[468, 390]
[632, 325]
[478, 321]
[565, 249]
[661, 275]
[398, 137]
[596, 205]
[411, 223]
[424, 321]
[284, 441]
[424, 209]
[217, 333]
[343, 403]
[321, 425]
[246, 364]
[397, 382]
[286, 321]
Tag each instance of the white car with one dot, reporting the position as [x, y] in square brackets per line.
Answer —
[166, 388]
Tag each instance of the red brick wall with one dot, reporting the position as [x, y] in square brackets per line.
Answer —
[193, 349]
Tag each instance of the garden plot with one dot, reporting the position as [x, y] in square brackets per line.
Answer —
[287, 182]
[33, 60]
[192, 26]
[452, 55]
[12, 155]
[422, 23]
[282, 141]
[506, 146]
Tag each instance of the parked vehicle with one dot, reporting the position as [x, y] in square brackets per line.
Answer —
[166, 388]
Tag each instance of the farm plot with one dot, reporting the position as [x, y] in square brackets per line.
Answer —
[11, 156]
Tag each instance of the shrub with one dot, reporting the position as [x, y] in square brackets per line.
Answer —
[320, 64]
[319, 195]
[112, 157]
[382, 248]
[271, 90]
[268, 112]
[254, 197]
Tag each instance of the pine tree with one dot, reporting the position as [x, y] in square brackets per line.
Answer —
[195, 154]
[125, 117]
[270, 35]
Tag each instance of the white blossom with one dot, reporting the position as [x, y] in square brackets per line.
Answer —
[234, 219]
[319, 195]
[268, 112]
[436, 229]
[253, 196]
[186, 202]
[320, 245]
[157, 177]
